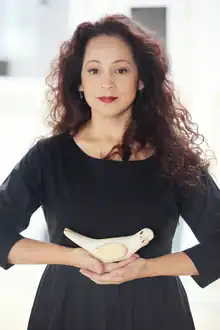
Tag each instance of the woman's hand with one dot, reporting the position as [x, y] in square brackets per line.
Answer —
[133, 270]
[108, 268]
[84, 260]
[81, 258]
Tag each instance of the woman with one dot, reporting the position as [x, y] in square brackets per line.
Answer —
[123, 156]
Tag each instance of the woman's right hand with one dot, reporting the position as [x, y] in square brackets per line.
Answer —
[33, 252]
[83, 259]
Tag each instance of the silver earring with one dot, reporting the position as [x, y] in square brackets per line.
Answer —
[140, 92]
[81, 95]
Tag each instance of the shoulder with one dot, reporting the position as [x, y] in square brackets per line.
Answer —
[51, 142]
[45, 148]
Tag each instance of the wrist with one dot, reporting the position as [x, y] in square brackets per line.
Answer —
[71, 257]
[151, 268]
[173, 264]
[64, 256]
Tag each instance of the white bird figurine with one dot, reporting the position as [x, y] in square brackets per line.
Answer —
[112, 249]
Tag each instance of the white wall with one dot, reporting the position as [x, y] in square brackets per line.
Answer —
[202, 84]
[31, 34]
[203, 68]
[192, 45]
[22, 112]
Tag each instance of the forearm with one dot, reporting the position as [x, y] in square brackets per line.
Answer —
[29, 251]
[174, 264]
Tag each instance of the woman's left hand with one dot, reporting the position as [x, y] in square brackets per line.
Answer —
[134, 270]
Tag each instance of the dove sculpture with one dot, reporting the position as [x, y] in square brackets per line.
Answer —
[111, 249]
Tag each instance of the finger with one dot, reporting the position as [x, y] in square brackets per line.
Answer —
[115, 265]
[96, 266]
[124, 262]
[113, 276]
[101, 279]
[136, 256]
[87, 272]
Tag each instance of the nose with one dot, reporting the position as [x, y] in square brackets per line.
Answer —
[107, 82]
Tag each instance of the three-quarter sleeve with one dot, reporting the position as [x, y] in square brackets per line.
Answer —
[20, 197]
[200, 208]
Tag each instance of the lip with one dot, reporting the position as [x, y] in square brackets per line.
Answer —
[107, 99]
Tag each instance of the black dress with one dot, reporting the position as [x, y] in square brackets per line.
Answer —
[100, 199]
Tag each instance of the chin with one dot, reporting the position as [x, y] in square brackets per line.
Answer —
[110, 110]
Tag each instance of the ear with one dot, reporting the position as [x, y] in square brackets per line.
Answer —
[81, 88]
[140, 85]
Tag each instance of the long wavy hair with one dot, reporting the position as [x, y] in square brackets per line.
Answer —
[158, 118]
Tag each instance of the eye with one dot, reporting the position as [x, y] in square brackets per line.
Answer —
[93, 71]
[122, 70]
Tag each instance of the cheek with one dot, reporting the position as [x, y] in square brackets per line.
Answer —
[91, 88]
[89, 97]
[127, 84]
[128, 90]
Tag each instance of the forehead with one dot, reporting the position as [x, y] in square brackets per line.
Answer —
[107, 48]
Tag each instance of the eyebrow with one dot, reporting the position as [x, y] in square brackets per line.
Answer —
[117, 61]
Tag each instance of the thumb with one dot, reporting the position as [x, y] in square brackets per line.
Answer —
[96, 266]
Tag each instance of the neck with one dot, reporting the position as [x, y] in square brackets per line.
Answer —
[108, 129]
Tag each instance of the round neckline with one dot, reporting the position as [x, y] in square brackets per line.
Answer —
[104, 160]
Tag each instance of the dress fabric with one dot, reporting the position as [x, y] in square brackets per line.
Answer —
[106, 198]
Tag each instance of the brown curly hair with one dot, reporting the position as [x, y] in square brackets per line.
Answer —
[158, 118]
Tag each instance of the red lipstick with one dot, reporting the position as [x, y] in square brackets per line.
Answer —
[107, 99]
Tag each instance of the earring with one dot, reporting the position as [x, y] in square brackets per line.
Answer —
[81, 95]
[140, 92]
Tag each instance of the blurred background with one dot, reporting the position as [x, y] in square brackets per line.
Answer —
[31, 32]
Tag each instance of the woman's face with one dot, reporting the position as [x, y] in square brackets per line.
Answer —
[109, 71]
